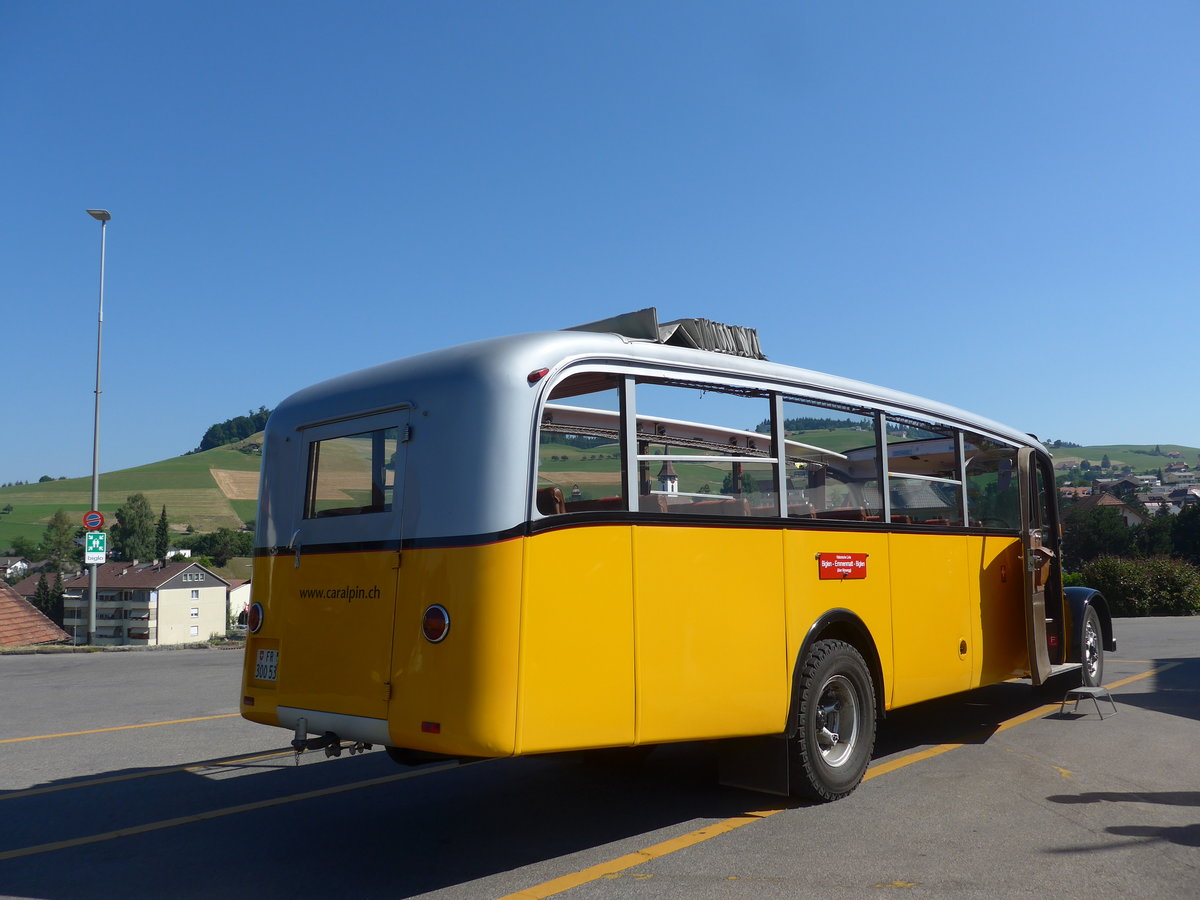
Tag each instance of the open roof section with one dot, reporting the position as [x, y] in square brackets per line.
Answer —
[698, 334]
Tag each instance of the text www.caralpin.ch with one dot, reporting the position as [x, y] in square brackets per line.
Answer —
[340, 593]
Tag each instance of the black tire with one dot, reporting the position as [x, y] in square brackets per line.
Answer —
[836, 728]
[1091, 649]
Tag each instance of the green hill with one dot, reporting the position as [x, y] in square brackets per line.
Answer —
[209, 490]
[1139, 457]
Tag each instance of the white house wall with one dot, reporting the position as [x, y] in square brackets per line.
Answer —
[177, 625]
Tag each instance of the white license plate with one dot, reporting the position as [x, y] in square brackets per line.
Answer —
[266, 665]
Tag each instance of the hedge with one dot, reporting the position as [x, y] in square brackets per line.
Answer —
[1153, 586]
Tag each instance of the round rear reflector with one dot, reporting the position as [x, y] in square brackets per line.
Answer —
[254, 618]
[435, 624]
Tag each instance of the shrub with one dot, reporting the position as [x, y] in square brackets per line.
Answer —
[1155, 586]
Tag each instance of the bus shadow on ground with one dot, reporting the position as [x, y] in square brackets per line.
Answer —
[971, 717]
[343, 827]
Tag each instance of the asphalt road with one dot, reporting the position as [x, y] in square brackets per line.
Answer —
[130, 775]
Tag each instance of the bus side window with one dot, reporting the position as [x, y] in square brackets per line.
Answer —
[704, 451]
[924, 478]
[993, 491]
[579, 455]
[831, 462]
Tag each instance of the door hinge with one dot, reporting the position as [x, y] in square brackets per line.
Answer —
[406, 434]
[387, 690]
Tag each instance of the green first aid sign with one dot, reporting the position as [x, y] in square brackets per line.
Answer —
[95, 547]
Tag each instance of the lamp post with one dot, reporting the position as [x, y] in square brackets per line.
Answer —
[101, 216]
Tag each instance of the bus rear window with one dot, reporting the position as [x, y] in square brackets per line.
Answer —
[351, 475]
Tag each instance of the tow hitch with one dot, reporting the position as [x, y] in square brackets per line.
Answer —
[329, 741]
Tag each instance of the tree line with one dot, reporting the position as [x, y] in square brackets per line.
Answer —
[233, 430]
[1152, 568]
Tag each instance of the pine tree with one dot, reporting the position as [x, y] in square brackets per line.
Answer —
[41, 595]
[162, 537]
[56, 601]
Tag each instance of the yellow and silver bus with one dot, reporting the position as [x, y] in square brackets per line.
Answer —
[631, 533]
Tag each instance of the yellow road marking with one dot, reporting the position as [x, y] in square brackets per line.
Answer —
[216, 813]
[46, 737]
[636, 858]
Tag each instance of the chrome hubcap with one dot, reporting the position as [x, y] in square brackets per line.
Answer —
[837, 720]
[1091, 648]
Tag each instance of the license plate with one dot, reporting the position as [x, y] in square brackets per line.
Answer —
[266, 665]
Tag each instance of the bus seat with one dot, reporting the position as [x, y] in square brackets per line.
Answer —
[801, 511]
[732, 507]
[901, 520]
[652, 503]
[851, 513]
[550, 501]
[589, 505]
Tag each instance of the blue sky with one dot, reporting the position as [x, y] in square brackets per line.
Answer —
[993, 204]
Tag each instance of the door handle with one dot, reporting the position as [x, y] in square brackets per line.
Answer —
[295, 544]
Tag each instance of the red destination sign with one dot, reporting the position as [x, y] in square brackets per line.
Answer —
[93, 520]
[841, 566]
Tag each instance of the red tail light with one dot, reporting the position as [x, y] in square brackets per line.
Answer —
[254, 618]
[435, 624]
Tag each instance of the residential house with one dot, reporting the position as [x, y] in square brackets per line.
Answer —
[1122, 487]
[148, 604]
[22, 624]
[239, 600]
[13, 566]
[1184, 496]
[1129, 514]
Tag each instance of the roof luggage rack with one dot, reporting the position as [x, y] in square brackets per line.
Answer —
[699, 334]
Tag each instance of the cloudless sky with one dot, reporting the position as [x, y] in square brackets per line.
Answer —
[993, 204]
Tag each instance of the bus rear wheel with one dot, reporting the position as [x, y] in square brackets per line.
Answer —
[836, 733]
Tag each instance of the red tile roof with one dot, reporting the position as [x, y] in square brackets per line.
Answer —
[21, 623]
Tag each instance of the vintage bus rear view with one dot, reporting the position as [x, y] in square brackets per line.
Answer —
[631, 533]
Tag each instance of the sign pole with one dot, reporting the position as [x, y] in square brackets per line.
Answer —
[101, 216]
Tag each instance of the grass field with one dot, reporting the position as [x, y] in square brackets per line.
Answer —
[1140, 457]
[184, 484]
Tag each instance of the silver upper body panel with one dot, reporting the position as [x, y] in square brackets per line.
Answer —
[473, 412]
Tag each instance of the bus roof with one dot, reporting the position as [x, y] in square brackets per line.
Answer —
[509, 360]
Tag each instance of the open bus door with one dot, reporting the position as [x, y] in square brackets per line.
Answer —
[1043, 580]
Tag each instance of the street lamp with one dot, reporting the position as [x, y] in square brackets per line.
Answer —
[101, 216]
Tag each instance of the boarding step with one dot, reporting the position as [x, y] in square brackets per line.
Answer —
[1083, 693]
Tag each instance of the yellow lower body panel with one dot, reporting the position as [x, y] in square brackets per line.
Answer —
[614, 635]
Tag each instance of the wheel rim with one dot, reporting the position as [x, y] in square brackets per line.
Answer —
[1091, 647]
[837, 720]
